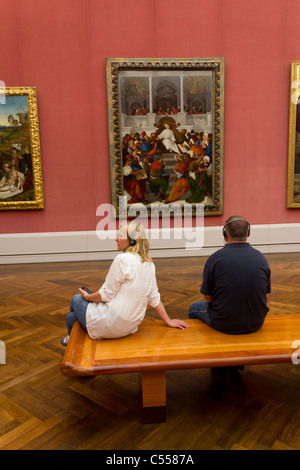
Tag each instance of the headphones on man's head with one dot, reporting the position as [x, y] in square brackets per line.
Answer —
[234, 220]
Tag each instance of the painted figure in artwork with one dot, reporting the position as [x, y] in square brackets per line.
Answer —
[168, 139]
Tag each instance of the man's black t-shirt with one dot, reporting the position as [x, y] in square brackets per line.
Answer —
[238, 278]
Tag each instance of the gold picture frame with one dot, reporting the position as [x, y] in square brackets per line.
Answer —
[189, 92]
[293, 179]
[21, 181]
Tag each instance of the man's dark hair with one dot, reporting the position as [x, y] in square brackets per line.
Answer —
[237, 228]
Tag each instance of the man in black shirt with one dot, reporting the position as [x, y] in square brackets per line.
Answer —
[236, 281]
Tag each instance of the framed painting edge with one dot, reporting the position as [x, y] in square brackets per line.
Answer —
[294, 97]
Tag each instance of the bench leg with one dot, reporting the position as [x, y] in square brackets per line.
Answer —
[153, 385]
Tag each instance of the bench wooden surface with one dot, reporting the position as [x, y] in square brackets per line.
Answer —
[155, 348]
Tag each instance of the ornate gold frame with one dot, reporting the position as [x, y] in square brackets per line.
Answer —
[293, 178]
[36, 198]
[214, 64]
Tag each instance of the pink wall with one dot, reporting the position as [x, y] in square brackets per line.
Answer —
[60, 48]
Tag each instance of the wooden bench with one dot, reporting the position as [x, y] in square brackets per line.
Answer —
[155, 348]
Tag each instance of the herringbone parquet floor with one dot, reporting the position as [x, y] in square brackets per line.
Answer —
[42, 409]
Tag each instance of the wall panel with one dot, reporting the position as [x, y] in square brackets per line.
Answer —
[60, 47]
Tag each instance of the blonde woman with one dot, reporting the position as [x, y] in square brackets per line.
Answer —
[117, 309]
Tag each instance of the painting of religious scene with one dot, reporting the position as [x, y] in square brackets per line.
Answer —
[168, 137]
[17, 164]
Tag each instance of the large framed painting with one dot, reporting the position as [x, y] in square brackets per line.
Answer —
[293, 181]
[166, 132]
[21, 183]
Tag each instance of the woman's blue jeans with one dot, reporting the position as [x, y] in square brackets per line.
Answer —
[77, 311]
[200, 310]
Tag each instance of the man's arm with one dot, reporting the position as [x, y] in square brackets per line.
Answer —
[207, 298]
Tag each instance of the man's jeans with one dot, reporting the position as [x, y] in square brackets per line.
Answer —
[199, 310]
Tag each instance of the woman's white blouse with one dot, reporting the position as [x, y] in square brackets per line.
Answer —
[128, 288]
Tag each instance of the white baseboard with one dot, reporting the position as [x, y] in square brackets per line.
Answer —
[83, 246]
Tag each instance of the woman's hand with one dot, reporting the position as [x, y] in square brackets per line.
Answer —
[93, 297]
[178, 324]
[160, 309]
[83, 293]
